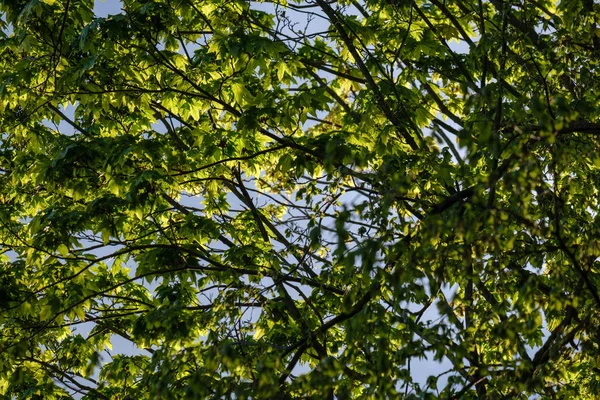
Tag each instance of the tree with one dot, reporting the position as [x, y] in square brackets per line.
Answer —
[300, 199]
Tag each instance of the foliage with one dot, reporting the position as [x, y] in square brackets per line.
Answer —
[300, 199]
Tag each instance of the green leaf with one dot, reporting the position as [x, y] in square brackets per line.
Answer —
[63, 250]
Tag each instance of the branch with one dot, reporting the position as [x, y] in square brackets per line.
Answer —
[383, 106]
[69, 121]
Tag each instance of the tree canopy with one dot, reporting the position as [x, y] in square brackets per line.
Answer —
[300, 199]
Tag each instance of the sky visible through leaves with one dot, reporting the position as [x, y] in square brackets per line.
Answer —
[318, 199]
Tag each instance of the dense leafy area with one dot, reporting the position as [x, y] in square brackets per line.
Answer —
[300, 199]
